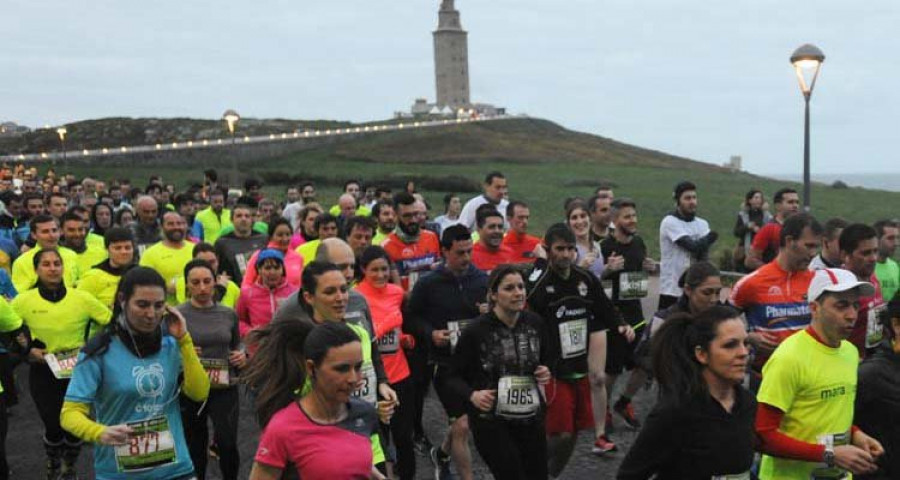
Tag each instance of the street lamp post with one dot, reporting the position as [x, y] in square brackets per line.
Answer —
[231, 118]
[807, 61]
[61, 131]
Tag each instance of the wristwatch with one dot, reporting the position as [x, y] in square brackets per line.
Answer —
[829, 457]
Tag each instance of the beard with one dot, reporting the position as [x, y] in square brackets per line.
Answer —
[411, 229]
[174, 235]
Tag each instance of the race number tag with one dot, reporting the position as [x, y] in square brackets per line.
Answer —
[874, 332]
[367, 390]
[149, 445]
[573, 338]
[218, 371]
[411, 279]
[456, 328]
[823, 471]
[607, 288]
[62, 364]
[633, 285]
[390, 341]
[733, 476]
[517, 397]
[241, 260]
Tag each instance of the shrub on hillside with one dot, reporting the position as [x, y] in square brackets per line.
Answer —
[441, 183]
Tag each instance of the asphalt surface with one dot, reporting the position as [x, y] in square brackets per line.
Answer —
[26, 458]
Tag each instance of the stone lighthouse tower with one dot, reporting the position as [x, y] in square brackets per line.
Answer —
[451, 59]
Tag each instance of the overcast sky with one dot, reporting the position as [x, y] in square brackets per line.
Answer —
[704, 80]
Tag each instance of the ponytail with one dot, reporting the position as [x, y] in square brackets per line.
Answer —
[276, 372]
[675, 364]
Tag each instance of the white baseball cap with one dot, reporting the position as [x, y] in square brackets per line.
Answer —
[837, 280]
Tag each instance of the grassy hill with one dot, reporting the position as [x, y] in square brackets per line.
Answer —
[545, 164]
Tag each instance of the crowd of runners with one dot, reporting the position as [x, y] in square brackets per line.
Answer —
[145, 315]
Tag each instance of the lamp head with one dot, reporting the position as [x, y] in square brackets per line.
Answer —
[231, 117]
[807, 61]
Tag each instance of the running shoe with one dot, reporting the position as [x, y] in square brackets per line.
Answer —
[626, 411]
[603, 445]
[441, 462]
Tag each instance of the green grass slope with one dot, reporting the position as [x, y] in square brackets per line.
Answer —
[545, 164]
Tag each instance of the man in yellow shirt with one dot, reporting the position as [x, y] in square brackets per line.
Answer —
[45, 232]
[102, 280]
[805, 414]
[169, 256]
[74, 233]
[214, 218]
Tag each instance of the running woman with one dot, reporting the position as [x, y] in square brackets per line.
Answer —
[703, 426]
[326, 433]
[499, 365]
[386, 300]
[214, 328]
[124, 391]
[59, 320]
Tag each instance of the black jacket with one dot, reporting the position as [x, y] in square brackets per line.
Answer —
[441, 296]
[696, 439]
[489, 350]
[878, 408]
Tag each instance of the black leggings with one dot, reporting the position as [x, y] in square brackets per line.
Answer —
[420, 377]
[48, 394]
[4, 467]
[222, 407]
[511, 450]
[401, 429]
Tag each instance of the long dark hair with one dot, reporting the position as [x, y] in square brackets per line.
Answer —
[95, 227]
[133, 278]
[276, 370]
[674, 362]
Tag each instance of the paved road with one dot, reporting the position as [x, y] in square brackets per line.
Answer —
[26, 456]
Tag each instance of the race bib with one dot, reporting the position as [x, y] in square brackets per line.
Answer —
[412, 278]
[367, 390]
[733, 476]
[218, 371]
[517, 397]
[150, 445]
[633, 285]
[824, 472]
[241, 260]
[456, 328]
[573, 338]
[390, 341]
[62, 364]
[607, 288]
[874, 332]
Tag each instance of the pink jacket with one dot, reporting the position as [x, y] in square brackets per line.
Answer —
[293, 266]
[257, 304]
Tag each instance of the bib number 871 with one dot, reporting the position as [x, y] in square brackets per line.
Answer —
[143, 444]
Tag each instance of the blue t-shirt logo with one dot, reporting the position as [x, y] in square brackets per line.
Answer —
[149, 381]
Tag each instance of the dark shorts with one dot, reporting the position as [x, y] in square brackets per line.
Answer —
[454, 406]
[569, 407]
[619, 352]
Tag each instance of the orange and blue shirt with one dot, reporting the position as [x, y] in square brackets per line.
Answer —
[774, 301]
